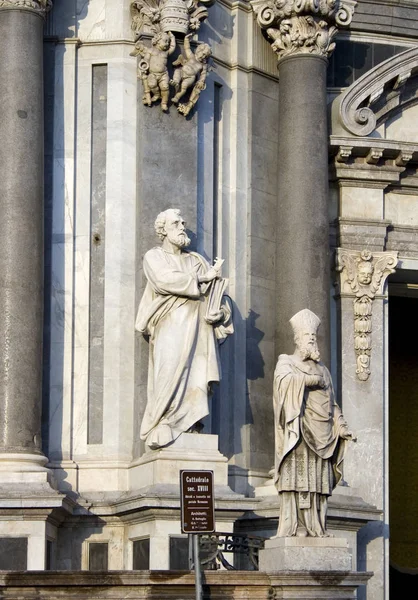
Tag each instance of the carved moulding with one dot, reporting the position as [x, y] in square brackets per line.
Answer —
[378, 93]
[39, 6]
[302, 26]
[363, 275]
[161, 19]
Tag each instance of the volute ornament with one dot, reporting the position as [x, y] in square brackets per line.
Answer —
[39, 6]
[378, 94]
[302, 26]
[161, 19]
[363, 275]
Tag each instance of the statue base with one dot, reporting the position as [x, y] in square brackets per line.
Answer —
[191, 451]
[306, 554]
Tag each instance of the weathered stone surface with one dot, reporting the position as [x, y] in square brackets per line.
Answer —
[306, 554]
[164, 585]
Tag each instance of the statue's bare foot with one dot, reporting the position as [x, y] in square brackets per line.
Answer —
[164, 107]
[175, 100]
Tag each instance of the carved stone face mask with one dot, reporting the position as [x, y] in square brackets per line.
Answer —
[365, 273]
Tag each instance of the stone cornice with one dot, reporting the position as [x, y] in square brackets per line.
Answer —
[302, 26]
[39, 6]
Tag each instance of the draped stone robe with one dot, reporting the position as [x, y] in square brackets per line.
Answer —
[308, 448]
[183, 354]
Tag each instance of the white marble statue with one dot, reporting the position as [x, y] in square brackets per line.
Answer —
[185, 314]
[310, 434]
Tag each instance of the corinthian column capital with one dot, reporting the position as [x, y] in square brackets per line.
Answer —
[302, 26]
[39, 6]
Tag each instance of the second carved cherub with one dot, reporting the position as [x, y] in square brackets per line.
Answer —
[191, 72]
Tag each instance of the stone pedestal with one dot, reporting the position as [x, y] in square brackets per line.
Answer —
[306, 554]
[157, 473]
[161, 468]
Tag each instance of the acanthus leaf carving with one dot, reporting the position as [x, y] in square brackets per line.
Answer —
[39, 6]
[161, 19]
[363, 275]
[302, 26]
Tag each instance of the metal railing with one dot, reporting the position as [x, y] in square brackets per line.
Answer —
[214, 546]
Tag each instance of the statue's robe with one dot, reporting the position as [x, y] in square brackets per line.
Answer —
[183, 355]
[308, 448]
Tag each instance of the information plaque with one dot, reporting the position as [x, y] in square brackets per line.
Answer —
[197, 502]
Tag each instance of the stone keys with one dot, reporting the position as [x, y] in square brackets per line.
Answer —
[155, 23]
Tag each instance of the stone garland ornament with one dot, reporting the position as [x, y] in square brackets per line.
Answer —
[363, 275]
[161, 19]
[302, 26]
[39, 6]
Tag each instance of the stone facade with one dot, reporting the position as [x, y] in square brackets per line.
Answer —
[293, 171]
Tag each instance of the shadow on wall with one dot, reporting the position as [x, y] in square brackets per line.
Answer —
[62, 23]
[231, 409]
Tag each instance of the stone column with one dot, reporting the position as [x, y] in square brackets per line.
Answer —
[21, 239]
[301, 33]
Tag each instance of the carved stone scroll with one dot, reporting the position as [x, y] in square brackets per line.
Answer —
[363, 276]
[372, 98]
[302, 26]
[39, 6]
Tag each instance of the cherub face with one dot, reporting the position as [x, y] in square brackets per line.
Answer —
[203, 52]
[164, 42]
[365, 273]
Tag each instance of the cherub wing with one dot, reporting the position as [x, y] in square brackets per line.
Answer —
[383, 267]
[345, 261]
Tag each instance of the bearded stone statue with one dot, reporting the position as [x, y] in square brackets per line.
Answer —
[185, 315]
[310, 434]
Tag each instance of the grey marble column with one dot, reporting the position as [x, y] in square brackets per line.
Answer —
[302, 35]
[21, 225]
[303, 268]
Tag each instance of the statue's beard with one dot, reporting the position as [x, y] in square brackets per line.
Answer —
[181, 240]
[310, 351]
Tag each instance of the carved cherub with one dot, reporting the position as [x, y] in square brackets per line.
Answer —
[191, 72]
[152, 68]
[365, 271]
